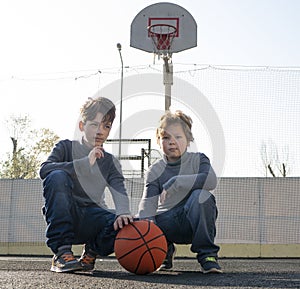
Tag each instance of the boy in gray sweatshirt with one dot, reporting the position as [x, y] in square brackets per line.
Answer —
[176, 194]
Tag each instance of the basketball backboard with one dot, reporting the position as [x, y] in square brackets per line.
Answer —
[172, 27]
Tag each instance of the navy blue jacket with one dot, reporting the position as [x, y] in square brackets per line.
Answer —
[89, 182]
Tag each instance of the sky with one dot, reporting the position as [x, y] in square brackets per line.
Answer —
[56, 53]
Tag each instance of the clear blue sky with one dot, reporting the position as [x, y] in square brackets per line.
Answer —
[45, 44]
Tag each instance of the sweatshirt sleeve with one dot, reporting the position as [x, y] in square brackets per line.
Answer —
[61, 159]
[205, 179]
[149, 202]
[117, 188]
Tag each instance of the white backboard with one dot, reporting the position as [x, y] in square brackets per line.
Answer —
[164, 13]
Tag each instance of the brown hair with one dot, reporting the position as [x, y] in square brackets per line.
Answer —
[175, 118]
[100, 104]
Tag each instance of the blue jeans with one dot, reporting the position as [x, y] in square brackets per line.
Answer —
[192, 222]
[69, 223]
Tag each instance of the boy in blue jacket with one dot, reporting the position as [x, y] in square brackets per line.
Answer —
[75, 176]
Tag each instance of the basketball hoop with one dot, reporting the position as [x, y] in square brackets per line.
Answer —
[163, 22]
[162, 36]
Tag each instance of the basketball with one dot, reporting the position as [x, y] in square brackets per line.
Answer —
[140, 247]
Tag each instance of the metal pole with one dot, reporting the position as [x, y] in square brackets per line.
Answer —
[119, 46]
[167, 97]
[168, 81]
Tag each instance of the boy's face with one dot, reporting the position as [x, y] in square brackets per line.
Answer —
[95, 131]
[173, 142]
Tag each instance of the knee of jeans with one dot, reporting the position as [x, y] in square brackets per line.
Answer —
[58, 177]
[199, 196]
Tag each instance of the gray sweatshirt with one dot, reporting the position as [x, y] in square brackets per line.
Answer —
[192, 171]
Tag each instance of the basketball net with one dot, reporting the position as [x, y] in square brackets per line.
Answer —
[162, 36]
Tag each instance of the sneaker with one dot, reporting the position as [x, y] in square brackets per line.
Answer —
[210, 265]
[65, 263]
[168, 262]
[88, 259]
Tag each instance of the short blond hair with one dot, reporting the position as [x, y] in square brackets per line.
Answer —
[178, 117]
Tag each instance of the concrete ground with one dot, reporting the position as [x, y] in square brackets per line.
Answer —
[33, 272]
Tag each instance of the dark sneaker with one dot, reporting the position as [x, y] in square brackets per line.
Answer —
[65, 263]
[168, 262]
[210, 265]
[88, 259]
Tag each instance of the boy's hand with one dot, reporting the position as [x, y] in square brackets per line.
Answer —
[122, 221]
[163, 196]
[96, 153]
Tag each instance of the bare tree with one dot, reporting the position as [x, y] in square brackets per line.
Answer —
[275, 161]
[17, 126]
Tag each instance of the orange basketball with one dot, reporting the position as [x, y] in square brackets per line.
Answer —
[140, 247]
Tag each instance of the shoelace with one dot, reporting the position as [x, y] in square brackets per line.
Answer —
[88, 259]
[68, 257]
[210, 259]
